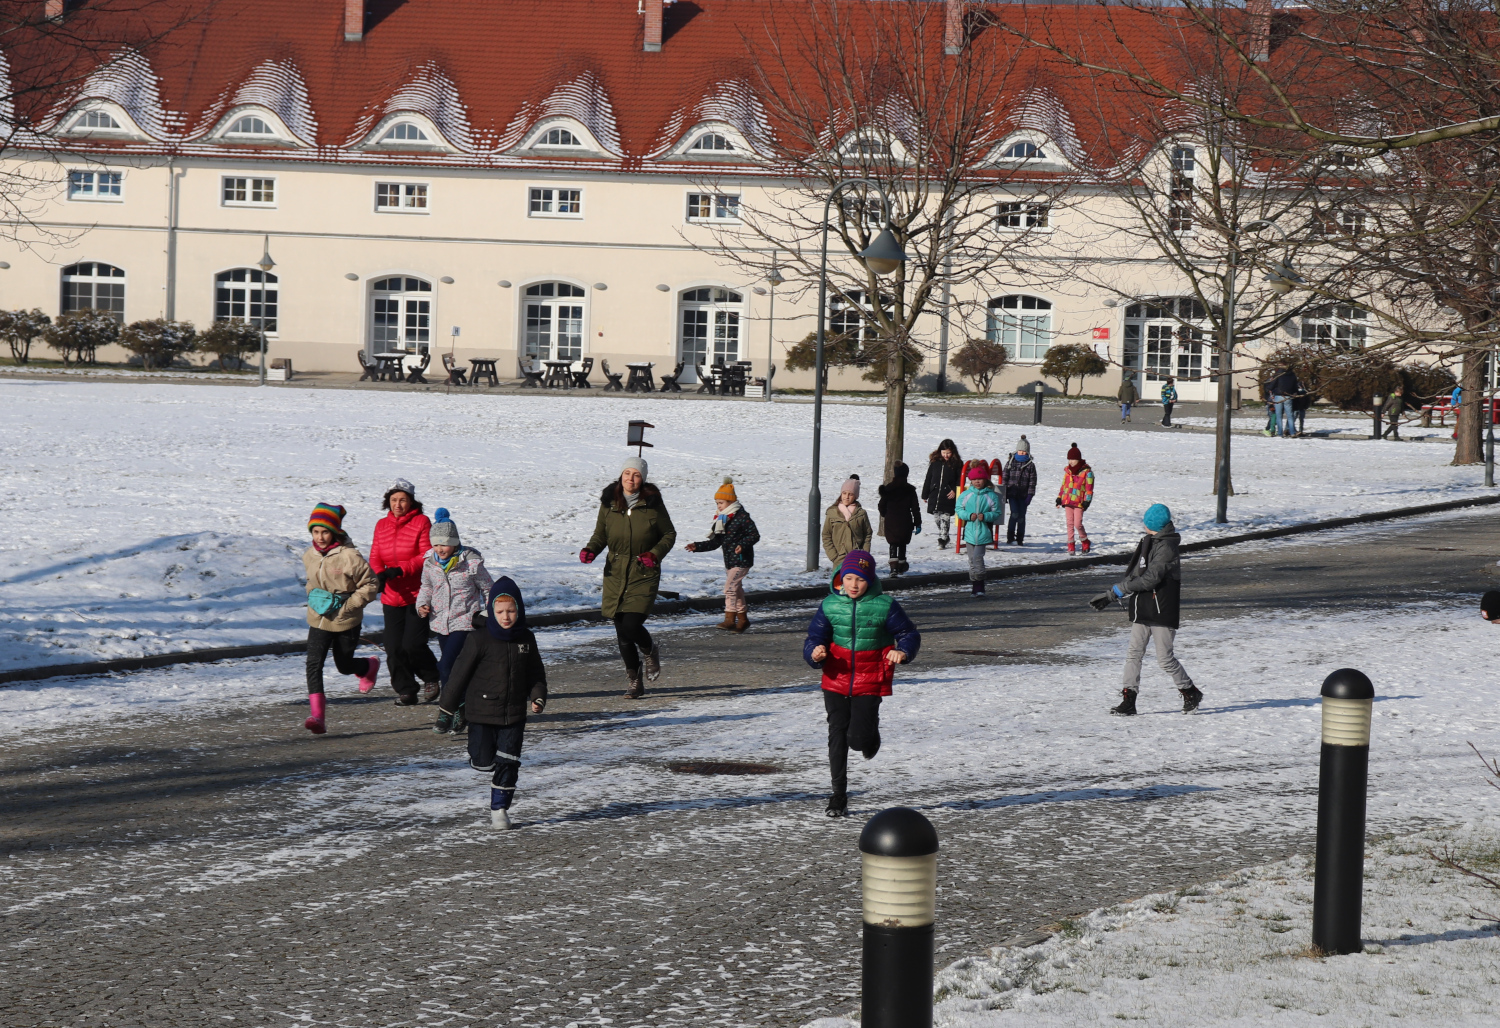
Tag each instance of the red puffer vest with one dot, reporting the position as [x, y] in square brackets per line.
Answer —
[401, 543]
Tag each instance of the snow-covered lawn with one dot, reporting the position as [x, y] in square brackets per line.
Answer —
[150, 517]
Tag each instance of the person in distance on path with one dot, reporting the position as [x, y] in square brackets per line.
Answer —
[846, 526]
[1127, 395]
[498, 673]
[856, 639]
[945, 469]
[735, 533]
[901, 515]
[1020, 486]
[979, 510]
[1168, 399]
[1152, 593]
[1075, 494]
[339, 587]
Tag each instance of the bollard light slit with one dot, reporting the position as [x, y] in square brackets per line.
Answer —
[898, 857]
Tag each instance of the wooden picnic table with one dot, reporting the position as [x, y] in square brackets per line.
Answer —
[641, 380]
[392, 366]
[483, 367]
[559, 374]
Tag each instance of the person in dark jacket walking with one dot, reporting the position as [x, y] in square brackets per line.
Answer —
[1281, 391]
[856, 638]
[735, 533]
[945, 474]
[634, 525]
[1152, 593]
[496, 676]
[1020, 487]
[901, 514]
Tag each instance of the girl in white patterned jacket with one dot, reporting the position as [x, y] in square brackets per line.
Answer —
[455, 583]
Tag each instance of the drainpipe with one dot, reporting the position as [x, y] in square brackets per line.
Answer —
[171, 302]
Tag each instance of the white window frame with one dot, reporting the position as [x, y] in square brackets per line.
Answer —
[542, 143]
[389, 138]
[94, 182]
[269, 282]
[1182, 171]
[723, 318]
[1034, 216]
[406, 189]
[549, 195]
[716, 204]
[1040, 155]
[270, 125]
[693, 146]
[1337, 324]
[1026, 328]
[525, 300]
[249, 189]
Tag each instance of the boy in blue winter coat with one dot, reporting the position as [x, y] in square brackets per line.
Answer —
[978, 509]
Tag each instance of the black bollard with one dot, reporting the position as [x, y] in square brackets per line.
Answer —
[1036, 415]
[1343, 774]
[898, 850]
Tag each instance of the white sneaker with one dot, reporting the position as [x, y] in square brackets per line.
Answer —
[500, 819]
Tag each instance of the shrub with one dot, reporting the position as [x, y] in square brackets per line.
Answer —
[159, 342]
[1072, 360]
[19, 329]
[230, 340]
[79, 334]
[980, 360]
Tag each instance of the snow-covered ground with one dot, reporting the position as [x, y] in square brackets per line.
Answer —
[149, 517]
[1236, 952]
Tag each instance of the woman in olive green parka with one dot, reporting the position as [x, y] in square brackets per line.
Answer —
[637, 530]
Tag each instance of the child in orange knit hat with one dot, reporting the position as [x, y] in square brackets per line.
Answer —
[734, 532]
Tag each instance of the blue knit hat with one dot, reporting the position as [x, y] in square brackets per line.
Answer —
[858, 562]
[1157, 517]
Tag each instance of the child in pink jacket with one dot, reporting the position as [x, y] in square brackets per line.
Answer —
[1076, 494]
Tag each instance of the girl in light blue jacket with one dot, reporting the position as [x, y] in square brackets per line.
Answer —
[979, 509]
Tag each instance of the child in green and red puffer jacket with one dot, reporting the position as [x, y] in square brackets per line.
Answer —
[856, 639]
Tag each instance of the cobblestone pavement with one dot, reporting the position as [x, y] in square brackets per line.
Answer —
[227, 869]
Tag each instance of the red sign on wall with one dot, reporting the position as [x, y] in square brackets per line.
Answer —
[1101, 333]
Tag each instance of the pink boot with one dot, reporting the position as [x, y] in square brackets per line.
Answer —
[314, 724]
[367, 680]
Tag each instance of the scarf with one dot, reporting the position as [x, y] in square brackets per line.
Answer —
[1082, 467]
[631, 499]
[722, 518]
[326, 550]
[848, 511]
[505, 586]
[451, 562]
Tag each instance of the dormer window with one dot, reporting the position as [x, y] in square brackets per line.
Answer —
[711, 141]
[250, 125]
[558, 137]
[1023, 150]
[406, 132]
[873, 148]
[97, 120]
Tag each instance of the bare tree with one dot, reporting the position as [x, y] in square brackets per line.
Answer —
[894, 96]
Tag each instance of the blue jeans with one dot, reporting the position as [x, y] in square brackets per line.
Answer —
[1283, 415]
[1124, 411]
[1015, 532]
[452, 645]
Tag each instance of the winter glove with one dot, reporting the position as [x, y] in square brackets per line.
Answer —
[586, 556]
[648, 560]
[1086, 504]
[444, 723]
[385, 575]
[1058, 502]
[1102, 600]
[916, 529]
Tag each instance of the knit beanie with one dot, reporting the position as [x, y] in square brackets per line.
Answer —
[726, 491]
[979, 472]
[444, 532]
[851, 485]
[638, 463]
[1074, 453]
[401, 485]
[1157, 517]
[329, 516]
[858, 562]
[1490, 605]
[1024, 446]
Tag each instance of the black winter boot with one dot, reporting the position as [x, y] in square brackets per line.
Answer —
[838, 805]
[1191, 697]
[1127, 705]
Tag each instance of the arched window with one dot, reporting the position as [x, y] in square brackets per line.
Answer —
[711, 141]
[250, 125]
[401, 315]
[96, 119]
[248, 294]
[92, 285]
[846, 315]
[1338, 325]
[710, 320]
[404, 131]
[1169, 337]
[1022, 324]
[554, 321]
[558, 137]
[1022, 151]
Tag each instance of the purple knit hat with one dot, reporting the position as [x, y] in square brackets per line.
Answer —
[858, 562]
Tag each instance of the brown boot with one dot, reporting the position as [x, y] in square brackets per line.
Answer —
[741, 622]
[636, 690]
[728, 623]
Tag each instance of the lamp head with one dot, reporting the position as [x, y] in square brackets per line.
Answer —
[1283, 279]
[884, 254]
[776, 279]
[266, 264]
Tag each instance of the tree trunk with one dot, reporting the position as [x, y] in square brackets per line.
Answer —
[895, 410]
[1471, 410]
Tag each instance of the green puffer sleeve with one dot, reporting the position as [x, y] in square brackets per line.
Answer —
[668, 535]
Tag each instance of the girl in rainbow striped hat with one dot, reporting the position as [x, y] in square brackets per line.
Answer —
[340, 585]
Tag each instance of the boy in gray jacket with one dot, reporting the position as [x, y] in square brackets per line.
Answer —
[1152, 592]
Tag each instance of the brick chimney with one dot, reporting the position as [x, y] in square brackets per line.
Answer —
[652, 9]
[953, 27]
[354, 20]
[52, 10]
[1258, 17]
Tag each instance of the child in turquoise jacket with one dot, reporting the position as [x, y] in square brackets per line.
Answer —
[979, 509]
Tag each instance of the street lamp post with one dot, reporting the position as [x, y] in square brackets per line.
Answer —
[882, 256]
[266, 264]
[773, 281]
[1489, 422]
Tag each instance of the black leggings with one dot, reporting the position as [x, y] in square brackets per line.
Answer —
[898, 551]
[630, 632]
[343, 644]
[853, 724]
[406, 649]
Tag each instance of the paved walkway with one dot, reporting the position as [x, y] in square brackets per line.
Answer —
[225, 868]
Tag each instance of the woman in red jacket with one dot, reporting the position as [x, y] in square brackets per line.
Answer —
[400, 544]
